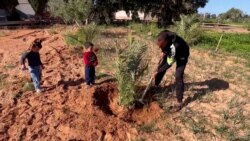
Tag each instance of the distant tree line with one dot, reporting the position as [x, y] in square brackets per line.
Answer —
[231, 16]
[102, 11]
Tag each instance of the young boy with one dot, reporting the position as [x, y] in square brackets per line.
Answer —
[34, 62]
[174, 49]
[90, 61]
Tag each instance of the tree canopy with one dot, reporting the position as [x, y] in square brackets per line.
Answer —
[8, 4]
[39, 6]
[103, 11]
[70, 10]
[234, 15]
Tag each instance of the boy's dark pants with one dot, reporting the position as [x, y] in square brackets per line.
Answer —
[89, 74]
[179, 88]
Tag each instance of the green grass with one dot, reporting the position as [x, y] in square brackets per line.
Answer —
[2, 34]
[148, 128]
[84, 34]
[9, 66]
[28, 87]
[238, 44]
[175, 129]
[149, 30]
[3, 82]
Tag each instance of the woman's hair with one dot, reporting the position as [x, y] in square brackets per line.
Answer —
[88, 45]
[37, 43]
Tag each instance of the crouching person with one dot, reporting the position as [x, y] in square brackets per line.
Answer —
[174, 49]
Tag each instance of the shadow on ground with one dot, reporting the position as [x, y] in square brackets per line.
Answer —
[199, 90]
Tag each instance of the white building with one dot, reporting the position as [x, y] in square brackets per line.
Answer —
[122, 15]
[25, 10]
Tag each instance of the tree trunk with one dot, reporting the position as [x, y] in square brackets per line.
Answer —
[135, 16]
[165, 19]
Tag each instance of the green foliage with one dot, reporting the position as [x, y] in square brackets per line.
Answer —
[70, 10]
[248, 27]
[148, 128]
[130, 67]
[9, 66]
[238, 44]
[188, 28]
[38, 5]
[6, 4]
[28, 87]
[233, 15]
[196, 127]
[175, 129]
[3, 82]
[84, 34]
[146, 30]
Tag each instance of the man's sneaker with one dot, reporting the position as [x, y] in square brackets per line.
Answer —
[88, 86]
[38, 91]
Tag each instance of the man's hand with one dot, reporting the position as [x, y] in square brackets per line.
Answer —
[155, 74]
[95, 64]
[42, 67]
[23, 67]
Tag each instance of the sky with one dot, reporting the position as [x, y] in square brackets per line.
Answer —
[221, 6]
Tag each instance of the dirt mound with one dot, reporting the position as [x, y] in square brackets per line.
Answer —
[106, 99]
[92, 114]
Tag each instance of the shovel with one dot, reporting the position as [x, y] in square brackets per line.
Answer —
[145, 91]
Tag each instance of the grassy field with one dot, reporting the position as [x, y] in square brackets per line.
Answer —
[238, 44]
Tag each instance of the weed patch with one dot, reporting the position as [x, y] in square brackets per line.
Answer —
[146, 30]
[9, 66]
[28, 87]
[238, 44]
[148, 128]
[3, 82]
[175, 129]
[84, 34]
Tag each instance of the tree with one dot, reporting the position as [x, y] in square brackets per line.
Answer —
[168, 11]
[233, 15]
[102, 11]
[70, 10]
[38, 6]
[8, 5]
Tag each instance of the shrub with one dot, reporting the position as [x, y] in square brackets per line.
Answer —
[70, 10]
[84, 34]
[130, 67]
[149, 29]
[3, 82]
[248, 27]
[28, 87]
[188, 28]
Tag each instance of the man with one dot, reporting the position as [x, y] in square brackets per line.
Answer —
[174, 49]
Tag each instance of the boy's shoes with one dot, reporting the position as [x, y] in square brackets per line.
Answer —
[93, 84]
[88, 86]
[38, 91]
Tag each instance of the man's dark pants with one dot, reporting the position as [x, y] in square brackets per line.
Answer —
[179, 76]
[89, 75]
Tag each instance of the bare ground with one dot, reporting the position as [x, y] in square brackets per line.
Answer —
[217, 95]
